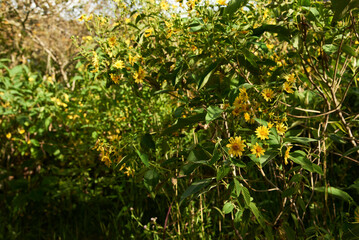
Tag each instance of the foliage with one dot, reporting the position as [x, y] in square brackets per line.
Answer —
[211, 120]
[264, 89]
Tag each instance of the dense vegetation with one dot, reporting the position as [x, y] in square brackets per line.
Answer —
[191, 120]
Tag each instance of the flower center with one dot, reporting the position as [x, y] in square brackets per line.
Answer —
[235, 147]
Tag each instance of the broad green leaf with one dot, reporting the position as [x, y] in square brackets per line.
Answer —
[336, 192]
[342, 7]
[213, 112]
[233, 6]
[210, 70]
[302, 140]
[228, 207]
[250, 57]
[349, 50]
[183, 122]
[330, 48]
[246, 196]
[261, 121]
[237, 187]
[222, 172]
[215, 157]
[300, 158]
[195, 188]
[264, 159]
[151, 177]
[178, 112]
[35, 142]
[257, 214]
[280, 30]
[147, 141]
[143, 157]
[48, 120]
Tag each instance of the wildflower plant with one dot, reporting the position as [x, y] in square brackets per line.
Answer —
[256, 91]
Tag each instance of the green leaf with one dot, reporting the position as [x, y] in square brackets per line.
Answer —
[261, 121]
[336, 192]
[280, 30]
[233, 6]
[183, 122]
[222, 172]
[213, 112]
[228, 207]
[143, 157]
[195, 188]
[264, 159]
[302, 140]
[237, 187]
[300, 158]
[246, 195]
[151, 177]
[147, 141]
[250, 57]
[288, 192]
[257, 214]
[354, 149]
[330, 48]
[342, 7]
[35, 142]
[178, 112]
[48, 120]
[349, 50]
[210, 70]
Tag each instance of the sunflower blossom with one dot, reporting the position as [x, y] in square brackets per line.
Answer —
[247, 117]
[236, 146]
[268, 94]
[262, 132]
[257, 150]
[281, 128]
[119, 64]
[288, 87]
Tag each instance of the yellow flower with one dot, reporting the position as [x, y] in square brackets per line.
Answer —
[268, 94]
[148, 32]
[221, 2]
[84, 18]
[119, 64]
[164, 5]
[112, 41]
[270, 46]
[242, 97]
[236, 146]
[247, 117]
[281, 128]
[106, 159]
[8, 136]
[115, 78]
[257, 150]
[140, 75]
[270, 125]
[290, 78]
[21, 131]
[131, 59]
[262, 132]
[236, 111]
[286, 154]
[129, 171]
[288, 87]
